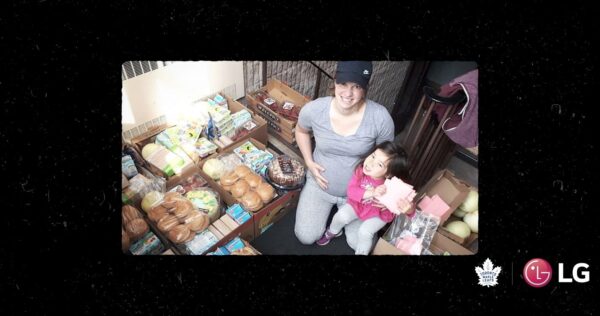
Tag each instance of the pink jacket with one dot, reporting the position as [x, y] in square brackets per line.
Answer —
[365, 209]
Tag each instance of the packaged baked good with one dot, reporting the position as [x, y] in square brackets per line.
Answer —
[253, 180]
[125, 240]
[286, 173]
[157, 213]
[136, 229]
[183, 210]
[197, 222]
[194, 181]
[179, 234]
[206, 200]
[242, 171]
[129, 213]
[167, 223]
[239, 188]
[266, 192]
[251, 201]
[214, 168]
[229, 179]
[230, 161]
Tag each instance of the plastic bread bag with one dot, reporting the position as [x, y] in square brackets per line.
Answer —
[413, 235]
[193, 182]
[206, 200]
[179, 189]
[140, 185]
[230, 161]
[154, 184]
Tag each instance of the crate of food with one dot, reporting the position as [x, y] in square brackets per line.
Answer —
[280, 105]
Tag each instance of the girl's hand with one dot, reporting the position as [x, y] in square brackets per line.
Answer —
[380, 190]
[404, 206]
[376, 203]
[315, 169]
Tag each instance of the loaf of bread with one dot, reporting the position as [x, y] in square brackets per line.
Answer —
[136, 229]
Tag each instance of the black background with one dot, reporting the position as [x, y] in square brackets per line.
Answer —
[61, 95]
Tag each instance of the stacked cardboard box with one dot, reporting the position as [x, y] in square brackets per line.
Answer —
[284, 96]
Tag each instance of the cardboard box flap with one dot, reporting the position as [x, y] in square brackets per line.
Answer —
[450, 189]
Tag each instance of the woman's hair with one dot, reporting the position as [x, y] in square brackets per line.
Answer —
[397, 165]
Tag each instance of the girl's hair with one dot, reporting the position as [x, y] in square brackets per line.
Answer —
[397, 165]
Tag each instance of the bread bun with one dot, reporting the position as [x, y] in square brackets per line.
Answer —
[253, 179]
[197, 222]
[172, 196]
[183, 210]
[125, 241]
[172, 199]
[240, 188]
[251, 201]
[137, 228]
[157, 213]
[179, 234]
[129, 213]
[167, 223]
[229, 179]
[191, 237]
[242, 171]
[246, 251]
[266, 192]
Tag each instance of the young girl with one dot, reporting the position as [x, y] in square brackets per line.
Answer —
[367, 183]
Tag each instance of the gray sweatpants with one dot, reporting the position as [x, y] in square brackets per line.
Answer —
[314, 207]
[368, 228]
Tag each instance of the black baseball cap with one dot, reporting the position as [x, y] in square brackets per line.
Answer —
[354, 71]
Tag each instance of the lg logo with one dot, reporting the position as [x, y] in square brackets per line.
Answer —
[538, 273]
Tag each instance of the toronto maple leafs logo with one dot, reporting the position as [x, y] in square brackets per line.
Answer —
[488, 276]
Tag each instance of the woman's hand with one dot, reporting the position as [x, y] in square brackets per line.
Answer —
[315, 169]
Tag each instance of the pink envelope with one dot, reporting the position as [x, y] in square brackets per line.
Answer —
[436, 206]
[409, 245]
[396, 189]
[425, 201]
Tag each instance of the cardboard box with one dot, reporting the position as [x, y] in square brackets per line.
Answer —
[463, 241]
[180, 178]
[272, 213]
[215, 232]
[281, 93]
[454, 192]
[260, 132]
[287, 135]
[224, 229]
[226, 195]
[149, 136]
[232, 224]
[244, 231]
[450, 189]
[440, 244]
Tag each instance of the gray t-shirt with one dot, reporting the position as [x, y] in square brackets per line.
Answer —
[338, 154]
